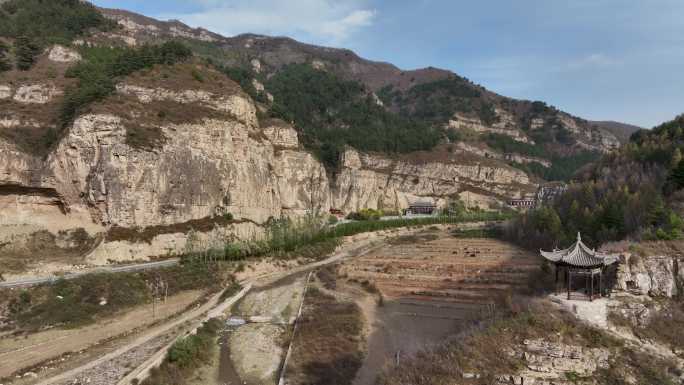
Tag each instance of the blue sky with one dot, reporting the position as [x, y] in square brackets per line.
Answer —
[599, 59]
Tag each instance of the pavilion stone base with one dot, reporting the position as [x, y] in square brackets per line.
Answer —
[593, 312]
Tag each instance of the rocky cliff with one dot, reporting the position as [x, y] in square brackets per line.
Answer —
[657, 276]
[166, 154]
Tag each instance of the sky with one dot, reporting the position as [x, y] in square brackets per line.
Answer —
[598, 59]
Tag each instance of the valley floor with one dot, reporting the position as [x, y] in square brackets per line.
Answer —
[104, 353]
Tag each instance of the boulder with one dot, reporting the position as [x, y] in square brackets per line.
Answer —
[61, 54]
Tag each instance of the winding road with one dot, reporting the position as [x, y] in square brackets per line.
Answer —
[107, 269]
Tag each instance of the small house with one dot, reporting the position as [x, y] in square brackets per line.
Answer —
[421, 207]
[337, 212]
[524, 203]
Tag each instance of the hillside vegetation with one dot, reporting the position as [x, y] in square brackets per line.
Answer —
[35, 24]
[438, 101]
[635, 193]
[563, 167]
[84, 300]
[102, 66]
[332, 113]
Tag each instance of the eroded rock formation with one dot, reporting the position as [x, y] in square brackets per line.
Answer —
[660, 276]
[216, 158]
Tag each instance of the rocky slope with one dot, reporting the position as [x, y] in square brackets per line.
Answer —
[621, 131]
[166, 154]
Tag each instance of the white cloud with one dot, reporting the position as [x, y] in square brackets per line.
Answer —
[592, 61]
[316, 21]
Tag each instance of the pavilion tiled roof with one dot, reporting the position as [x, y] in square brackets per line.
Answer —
[579, 255]
[422, 204]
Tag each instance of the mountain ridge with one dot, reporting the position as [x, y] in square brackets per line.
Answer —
[420, 75]
[267, 55]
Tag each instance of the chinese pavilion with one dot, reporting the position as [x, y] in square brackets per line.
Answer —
[580, 262]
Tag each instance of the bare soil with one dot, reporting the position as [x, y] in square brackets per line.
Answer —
[253, 353]
[432, 286]
[257, 352]
[328, 347]
[27, 350]
[44, 247]
[446, 268]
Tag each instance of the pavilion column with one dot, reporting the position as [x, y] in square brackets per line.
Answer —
[591, 298]
[555, 287]
[587, 284]
[601, 283]
[569, 275]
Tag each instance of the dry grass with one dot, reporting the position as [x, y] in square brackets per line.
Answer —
[446, 268]
[28, 138]
[146, 234]
[483, 349]
[412, 239]
[665, 326]
[646, 248]
[78, 302]
[143, 121]
[327, 347]
[328, 277]
[642, 368]
[42, 246]
[191, 75]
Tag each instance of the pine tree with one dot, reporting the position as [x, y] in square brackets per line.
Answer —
[4, 64]
[677, 176]
[676, 158]
[25, 51]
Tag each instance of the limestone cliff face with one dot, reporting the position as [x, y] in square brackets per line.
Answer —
[656, 276]
[586, 137]
[377, 182]
[202, 168]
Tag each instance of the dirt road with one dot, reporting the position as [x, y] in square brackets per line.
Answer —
[43, 347]
[25, 282]
[21, 352]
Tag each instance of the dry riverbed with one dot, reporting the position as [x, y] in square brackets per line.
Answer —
[409, 295]
[253, 353]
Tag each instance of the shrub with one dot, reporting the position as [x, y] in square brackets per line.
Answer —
[100, 67]
[35, 24]
[77, 302]
[240, 268]
[438, 101]
[186, 355]
[4, 63]
[25, 51]
[366, 215]
[243, 77]
[332, 113]
[197, 76]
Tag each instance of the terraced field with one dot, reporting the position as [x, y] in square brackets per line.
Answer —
[430, 286]
[436, 265]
